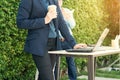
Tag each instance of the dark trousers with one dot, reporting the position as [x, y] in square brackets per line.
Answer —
[72, 72]
[45, 64]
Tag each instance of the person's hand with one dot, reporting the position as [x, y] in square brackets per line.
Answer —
[52, 14]
[62, 39]
[80, 45]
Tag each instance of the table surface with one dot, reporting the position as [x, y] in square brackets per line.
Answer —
[91, 57]
[105, 51]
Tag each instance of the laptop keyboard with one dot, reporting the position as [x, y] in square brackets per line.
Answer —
[87, 49]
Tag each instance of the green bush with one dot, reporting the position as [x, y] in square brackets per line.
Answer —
[91, 18]
[14, 63]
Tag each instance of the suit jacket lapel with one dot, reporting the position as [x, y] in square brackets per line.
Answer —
[51, 2]
[43, 3]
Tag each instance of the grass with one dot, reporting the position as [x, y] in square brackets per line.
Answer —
[99, 73]
[66, 78]
[108, 74]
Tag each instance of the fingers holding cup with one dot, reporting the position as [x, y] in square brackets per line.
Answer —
[52, 11]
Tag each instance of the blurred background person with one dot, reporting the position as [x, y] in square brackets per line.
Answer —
[70, 21]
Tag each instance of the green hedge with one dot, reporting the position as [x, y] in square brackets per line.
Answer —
[14, 63]
[90, 17]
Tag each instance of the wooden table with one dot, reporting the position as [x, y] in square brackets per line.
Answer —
[90, 57]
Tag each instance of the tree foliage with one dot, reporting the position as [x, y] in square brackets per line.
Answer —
[14, 63]
[114, 16]
[90, 17]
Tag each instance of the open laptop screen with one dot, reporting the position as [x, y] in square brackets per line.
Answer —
[90, 49]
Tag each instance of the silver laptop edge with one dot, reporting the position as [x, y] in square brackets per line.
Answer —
[101, 39]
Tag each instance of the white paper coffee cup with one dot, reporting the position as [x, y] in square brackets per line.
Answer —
[115, 44]
[52, 7]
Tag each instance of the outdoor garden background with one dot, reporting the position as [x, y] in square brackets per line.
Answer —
[91, 16]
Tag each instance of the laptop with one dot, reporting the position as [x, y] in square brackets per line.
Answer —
[92, 48]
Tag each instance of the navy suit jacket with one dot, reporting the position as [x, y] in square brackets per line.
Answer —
[31, 14]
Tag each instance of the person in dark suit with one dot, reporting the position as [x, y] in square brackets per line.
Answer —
[43, 25]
